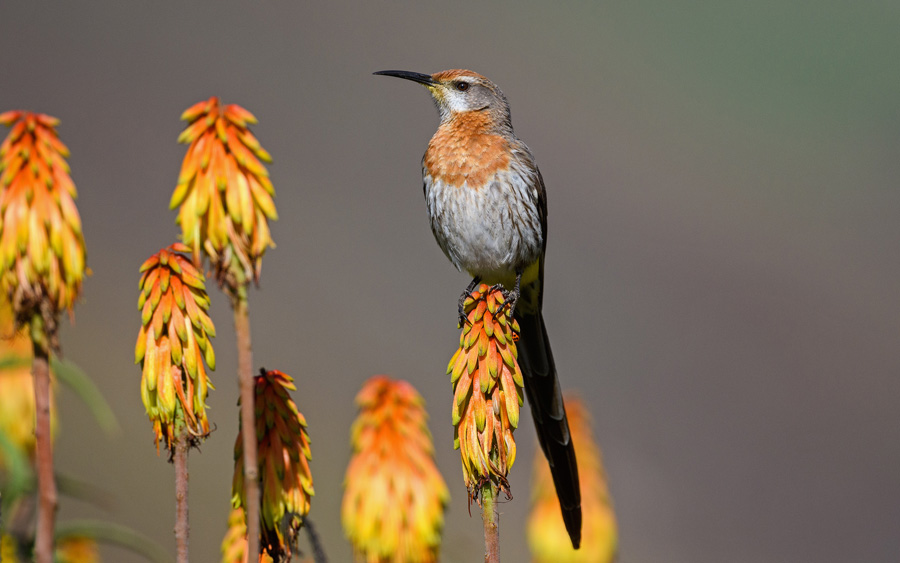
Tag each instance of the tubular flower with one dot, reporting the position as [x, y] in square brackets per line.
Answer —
[487, 390]
[395, 497]
[284, 455]
[224, 190]
[547, 534]
[234, 544]
[173, 343]
[42, 252]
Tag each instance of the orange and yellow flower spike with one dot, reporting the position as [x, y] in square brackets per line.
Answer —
[224, 190]
[17, 402]
[17, 386]
[173, 344]
[42, 251]
[487, 390]
[68, 550]
[394, 497]
[77, 549]
[234, 544]
[547, 536]
[284, 455]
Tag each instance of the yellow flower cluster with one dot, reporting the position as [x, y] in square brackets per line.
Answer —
[234, 544]
[284, 454]
[487, 389]
[395, 497]
[42, 252]
[75, 549]
[547, 536]
[173, 343]
[224, 190]
[17, 385]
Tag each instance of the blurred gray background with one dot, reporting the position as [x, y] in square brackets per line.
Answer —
[722, 273]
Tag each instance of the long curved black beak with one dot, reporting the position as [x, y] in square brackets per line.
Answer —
[414, 76]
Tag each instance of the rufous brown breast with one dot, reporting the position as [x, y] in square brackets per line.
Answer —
[465, 150]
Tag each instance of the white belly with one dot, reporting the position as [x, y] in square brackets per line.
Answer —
[494, 231]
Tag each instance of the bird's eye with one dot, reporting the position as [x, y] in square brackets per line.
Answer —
[462, 86]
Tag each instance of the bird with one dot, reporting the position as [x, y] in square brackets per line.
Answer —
[487, 207]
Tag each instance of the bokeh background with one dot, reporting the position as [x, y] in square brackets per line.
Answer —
[722, 273]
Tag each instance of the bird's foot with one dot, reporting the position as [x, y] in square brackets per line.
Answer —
[510, 297]
[463, 318]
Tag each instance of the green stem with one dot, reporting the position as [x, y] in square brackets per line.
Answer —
[248, 421]
[47, 497]
[490, 515]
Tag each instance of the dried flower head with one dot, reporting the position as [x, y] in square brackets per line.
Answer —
[547, 534]
[395, 497]
[224, 191]
[42, 251]
[173, 343]
[487, 390]
[284, 455]
[234, 544]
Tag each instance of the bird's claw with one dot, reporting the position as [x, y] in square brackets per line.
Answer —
[463, 318]
[510, 298]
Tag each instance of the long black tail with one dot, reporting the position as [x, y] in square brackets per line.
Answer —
[545, 398]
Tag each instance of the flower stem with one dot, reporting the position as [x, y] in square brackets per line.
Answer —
[43, 546]
[248, 422]
[490, 515]
[182, 527]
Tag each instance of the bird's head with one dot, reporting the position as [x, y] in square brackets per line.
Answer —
[460, 91]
